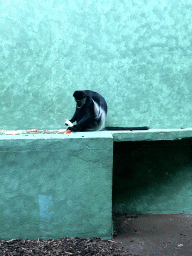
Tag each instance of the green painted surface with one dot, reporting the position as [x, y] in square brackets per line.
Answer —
[136, 53]
[152, 177]
[152, 135]
[56, 187]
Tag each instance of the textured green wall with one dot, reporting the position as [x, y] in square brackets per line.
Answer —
[152, 177]
[53, 186]
[137, 54]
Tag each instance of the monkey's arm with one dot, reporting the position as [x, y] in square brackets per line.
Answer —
[82, 124]
[73, 119]
[70, 122]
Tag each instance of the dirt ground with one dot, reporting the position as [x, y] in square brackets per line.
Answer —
[150, 235]
[136, 235]
[63, 246]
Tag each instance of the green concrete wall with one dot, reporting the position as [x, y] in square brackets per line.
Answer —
[52, 186]
[152, 177]
[137, 54]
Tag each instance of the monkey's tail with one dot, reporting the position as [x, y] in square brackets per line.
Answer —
[111, 128]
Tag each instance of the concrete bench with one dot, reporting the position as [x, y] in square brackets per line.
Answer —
[57, 185]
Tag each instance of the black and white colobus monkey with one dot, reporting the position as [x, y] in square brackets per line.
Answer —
[91, 112]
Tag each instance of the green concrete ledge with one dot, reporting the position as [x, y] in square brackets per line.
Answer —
[78, 135]
[56, 185]
[146, 135]
[152, 135]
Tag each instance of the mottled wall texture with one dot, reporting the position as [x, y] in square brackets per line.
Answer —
[137, 54]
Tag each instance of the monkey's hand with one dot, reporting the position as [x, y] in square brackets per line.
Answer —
[67, 122]
[72, 128]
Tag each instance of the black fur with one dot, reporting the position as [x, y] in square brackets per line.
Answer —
[88, 116]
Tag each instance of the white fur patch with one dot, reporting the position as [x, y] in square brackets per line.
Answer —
[100, 114]
[68, 123]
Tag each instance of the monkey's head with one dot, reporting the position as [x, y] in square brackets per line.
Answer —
[80, 98]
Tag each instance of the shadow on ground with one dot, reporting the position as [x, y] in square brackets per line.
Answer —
[153, 234]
